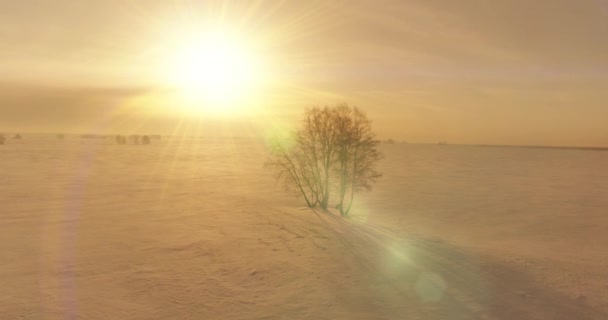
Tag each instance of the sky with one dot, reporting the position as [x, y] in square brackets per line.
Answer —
[469, 71]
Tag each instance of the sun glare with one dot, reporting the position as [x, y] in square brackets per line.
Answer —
[215, 72]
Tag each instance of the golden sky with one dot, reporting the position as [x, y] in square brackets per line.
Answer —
[469, 71]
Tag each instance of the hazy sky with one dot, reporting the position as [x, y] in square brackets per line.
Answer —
[468, 71]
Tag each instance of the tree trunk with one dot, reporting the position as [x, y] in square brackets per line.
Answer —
[342, 195]
[353, 179]
[325, 201]
[350, 204]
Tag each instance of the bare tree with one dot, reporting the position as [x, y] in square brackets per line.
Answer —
[318, 139]
[295, 170]
[362, 155]
[344, 123]
[334, 150]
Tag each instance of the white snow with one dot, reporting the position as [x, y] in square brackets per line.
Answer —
[197, 229]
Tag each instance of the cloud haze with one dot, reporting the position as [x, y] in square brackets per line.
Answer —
[508, 72]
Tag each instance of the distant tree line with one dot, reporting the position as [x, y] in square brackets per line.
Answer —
[120, 139]
[3, 138]
[136, 139]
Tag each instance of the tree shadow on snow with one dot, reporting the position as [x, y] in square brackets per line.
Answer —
[412, 277]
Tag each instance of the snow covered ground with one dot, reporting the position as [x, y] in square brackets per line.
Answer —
[197, 229]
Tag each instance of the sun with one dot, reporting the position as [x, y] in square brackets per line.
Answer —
[214, 72]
